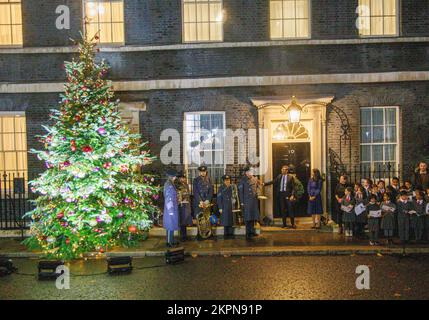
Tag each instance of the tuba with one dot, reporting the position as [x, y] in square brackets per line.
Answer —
[203, 222]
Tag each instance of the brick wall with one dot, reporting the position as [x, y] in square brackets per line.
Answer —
[165, 109]
[160, 22]
[414, 18]
[333, 19]
[274, 60]
[39, 18]
[246, 20]
[153, 22]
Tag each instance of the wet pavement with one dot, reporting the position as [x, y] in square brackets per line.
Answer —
[268, 243]
[299, 277]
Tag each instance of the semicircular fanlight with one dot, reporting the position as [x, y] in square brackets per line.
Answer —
[290, 131]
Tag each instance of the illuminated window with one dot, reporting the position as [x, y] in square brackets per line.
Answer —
[379, 137]
[204, 142]
[289, 19]
[10, 23]
[202, 20]
[378, 17]
[13, 144]
[106, 17]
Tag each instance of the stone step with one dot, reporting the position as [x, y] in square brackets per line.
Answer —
[193, 231]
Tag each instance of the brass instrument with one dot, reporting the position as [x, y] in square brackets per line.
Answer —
[259, 188]
[203, 223]
[236, 207]
[183, 194]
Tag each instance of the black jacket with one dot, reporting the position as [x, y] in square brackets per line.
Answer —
[290, 185]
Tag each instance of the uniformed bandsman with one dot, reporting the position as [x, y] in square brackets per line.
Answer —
[248, 193]
[225, 205]
[202, 189]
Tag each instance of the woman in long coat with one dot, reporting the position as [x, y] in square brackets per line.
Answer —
[248, 193]
[314, 190]
[224, 203]
[171, 208]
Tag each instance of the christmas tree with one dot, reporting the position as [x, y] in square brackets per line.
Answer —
[92, 195]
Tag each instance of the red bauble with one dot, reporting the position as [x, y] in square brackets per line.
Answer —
[132, 229]
[107, 165]
[67, 241]
[87, 149]
[60, 215]
[77, 118]
[101, 250]
[124, 168]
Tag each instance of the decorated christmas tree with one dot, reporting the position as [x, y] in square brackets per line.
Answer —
[92, 195]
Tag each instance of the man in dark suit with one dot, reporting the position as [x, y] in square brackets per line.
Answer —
[285, 187]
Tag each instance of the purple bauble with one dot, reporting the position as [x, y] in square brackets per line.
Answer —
[101, 131]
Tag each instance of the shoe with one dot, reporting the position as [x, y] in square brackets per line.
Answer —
[371, 243]
[314, 227]
[284, 226]
[294, 226]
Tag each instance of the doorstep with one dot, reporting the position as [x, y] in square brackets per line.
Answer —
[154, 232]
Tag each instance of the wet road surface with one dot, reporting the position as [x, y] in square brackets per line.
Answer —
[300, 277]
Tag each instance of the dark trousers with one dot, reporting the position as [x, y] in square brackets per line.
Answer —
[183, 232]
[228, 231]
[250, 229]
[287, 208]
[338, 214]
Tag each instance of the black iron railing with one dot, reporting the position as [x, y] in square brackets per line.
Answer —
[357, 173]
[15, 199]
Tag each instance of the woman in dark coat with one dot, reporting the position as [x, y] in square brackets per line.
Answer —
[224, 203]
[171, 208]
[314, 190]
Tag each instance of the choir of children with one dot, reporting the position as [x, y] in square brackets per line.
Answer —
[394, 209]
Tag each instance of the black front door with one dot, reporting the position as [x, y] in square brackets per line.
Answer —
[298, 155]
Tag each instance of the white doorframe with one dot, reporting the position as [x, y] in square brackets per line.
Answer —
[314, 120]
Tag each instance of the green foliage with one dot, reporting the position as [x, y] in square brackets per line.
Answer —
[92, 195]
